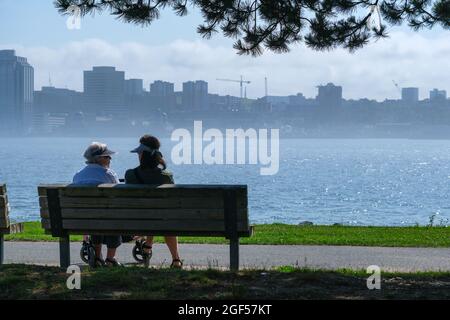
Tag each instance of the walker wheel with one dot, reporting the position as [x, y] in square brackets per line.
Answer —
[84, 252]
[138, 252]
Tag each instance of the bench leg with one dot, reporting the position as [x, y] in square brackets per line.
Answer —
[234, 254]
[2, 249]
[64, 252]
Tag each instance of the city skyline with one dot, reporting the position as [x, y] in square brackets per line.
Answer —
[422, 94]
[161, 87]
[110, 99]
[378, 90]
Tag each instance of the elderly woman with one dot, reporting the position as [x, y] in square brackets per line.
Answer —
[97, 172]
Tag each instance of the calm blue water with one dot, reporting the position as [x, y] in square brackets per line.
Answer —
[358, 182]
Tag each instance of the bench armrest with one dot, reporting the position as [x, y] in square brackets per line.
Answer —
[13, 228]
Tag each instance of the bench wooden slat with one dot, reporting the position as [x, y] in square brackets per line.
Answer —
[144, 203]
[85, 226]
[139, 193]
[43, 187]
[149, 214]
[173, 225]
[189, 214]
[46, 226]
[132, 191]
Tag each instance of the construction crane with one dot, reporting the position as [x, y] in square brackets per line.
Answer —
[396, 85]
[242, 81]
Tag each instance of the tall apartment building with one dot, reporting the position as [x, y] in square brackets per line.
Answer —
[162, 89]
[162, 94]
[438, 95]
[329, 96]
[410, 95]
[16, 93]
[134, 87]
[195, 95]
[104, 92]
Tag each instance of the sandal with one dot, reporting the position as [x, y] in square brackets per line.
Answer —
[176, 264]
[99, 262]
[112, 263]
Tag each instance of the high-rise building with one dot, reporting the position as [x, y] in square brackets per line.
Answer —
[329, 96]
[201, 94]
[162, 89]
[162, 94]
[195, 95]
[134, 87]
[16, 93]
[438, 95]
[410, 95]
[57, 100]
[188, 94]
[104, 91]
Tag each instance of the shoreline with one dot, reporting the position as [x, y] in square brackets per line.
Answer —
[282, 234]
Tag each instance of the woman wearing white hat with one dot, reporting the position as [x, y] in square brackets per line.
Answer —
[97, 171]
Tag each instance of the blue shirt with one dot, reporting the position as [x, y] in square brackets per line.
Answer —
[95, 174]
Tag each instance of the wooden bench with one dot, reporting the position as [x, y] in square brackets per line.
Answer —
[5, 226]
[166, 210]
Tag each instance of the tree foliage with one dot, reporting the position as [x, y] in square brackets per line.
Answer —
[278, 24]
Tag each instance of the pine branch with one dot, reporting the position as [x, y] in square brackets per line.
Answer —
[277, 25]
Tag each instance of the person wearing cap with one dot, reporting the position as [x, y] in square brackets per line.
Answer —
[97, 171]
[152, 170]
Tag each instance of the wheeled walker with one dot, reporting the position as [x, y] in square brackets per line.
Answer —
[88, 255]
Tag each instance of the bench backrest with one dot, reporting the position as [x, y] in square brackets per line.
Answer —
[142, 209]
[4, 209]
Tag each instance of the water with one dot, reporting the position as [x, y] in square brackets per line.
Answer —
[356, 182]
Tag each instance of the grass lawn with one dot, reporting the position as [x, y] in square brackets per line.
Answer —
[279, 234]
[38, 282]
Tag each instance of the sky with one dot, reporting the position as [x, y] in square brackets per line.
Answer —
[171, 50]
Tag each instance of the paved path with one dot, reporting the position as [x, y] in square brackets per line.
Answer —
[324, 257]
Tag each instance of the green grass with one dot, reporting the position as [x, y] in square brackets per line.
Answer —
[279, 234]
[39, 282]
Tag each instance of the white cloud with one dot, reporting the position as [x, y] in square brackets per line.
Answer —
[411, 59]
